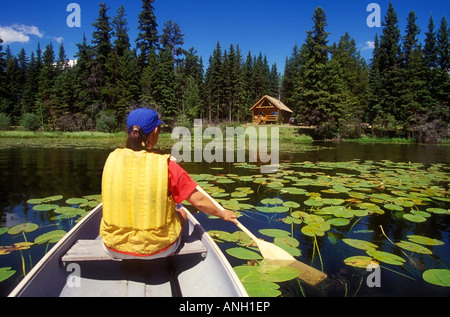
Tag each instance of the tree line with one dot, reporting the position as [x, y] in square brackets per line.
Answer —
[111, 77]
[330, 86]
[404, 90]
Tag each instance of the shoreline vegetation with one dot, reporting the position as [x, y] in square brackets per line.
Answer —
[291, 138]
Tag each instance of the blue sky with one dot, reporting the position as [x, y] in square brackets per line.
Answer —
[267, 26]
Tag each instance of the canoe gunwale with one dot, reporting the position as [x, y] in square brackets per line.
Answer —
[24, 288]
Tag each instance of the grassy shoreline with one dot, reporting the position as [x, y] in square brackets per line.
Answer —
[289, 139]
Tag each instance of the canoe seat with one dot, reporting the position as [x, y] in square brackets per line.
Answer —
[92, 250]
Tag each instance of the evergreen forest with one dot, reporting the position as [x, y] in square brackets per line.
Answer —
[402, 91]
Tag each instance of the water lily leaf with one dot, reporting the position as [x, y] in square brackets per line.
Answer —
[23, 227]
[290, 241]
[15, 247]
[76, 201]
[50, 237]
[393, 207]
[360, 244]
[242, 253]
[421, 213]
[338, 221]
[414, 247]
[262, 289]
[439, 277]
[222, 236]
[424, 240]
[414, 218]
[52, 198]
[360, 261]
[35, 201]
[333, 201]
[45, 207]
[97, 197]
[6, 273]
[439, 211]
[271, 201]
[274, 232]
[291, 204]
[3, 230]
[386, 257]
[273, 272]
[316, 229]
[294, 191]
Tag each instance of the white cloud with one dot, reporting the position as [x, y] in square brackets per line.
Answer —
[58, 39]
[370, 45]
[19, 33]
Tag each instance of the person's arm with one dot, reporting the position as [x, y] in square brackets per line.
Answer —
[203, 203]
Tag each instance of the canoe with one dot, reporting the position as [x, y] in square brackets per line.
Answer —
[78, 266]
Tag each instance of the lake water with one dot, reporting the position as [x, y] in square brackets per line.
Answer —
[27, 173]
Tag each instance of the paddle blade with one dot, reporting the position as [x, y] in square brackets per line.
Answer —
[307, 273]
[273, 252]
[279, 256]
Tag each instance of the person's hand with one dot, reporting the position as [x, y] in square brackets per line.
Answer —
[228, 215]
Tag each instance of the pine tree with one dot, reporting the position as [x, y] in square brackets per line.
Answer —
[11, 90]
[430, 57]
[291, 74]
[173, 39]
[101, 37]
[62, 92]
[443, 61]
[416, 91]
[85, 88]
[122, 42]
[390, 61]
[147, 40]
[318, 86]
[101, 79]
[354, 76]
[44, 106]
[374, 100]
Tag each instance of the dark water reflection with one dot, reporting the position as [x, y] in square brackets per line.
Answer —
[37, 172]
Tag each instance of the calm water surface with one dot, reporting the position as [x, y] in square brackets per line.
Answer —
[41, 172]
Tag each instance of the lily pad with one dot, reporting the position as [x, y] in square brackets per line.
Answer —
[414, 218]
[393, 207]
[386, 257]
[23, 227]
[439, 277]
[360, 261]
[424, 240]
[274, 232]
[360, 244]
[291, 204]
[76, 201]
[45, 207]
[439, 211]
[338, 221]
[316, 229]
[262, 289]
[50, 237]
[242, 253]
[6, 273]
[414, 247]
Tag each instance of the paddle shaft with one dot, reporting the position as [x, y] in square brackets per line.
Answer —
[240, 225]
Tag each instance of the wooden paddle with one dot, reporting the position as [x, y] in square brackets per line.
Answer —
[276, 254]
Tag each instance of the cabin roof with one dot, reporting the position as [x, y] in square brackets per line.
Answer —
[274, 102]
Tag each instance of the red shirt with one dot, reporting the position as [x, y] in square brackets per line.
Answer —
[181, 185]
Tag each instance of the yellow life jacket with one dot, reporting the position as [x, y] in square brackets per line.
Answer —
[138, 214]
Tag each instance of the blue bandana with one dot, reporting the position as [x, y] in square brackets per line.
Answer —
[147, 119]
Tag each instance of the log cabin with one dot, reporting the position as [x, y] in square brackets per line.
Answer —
[268, 109]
